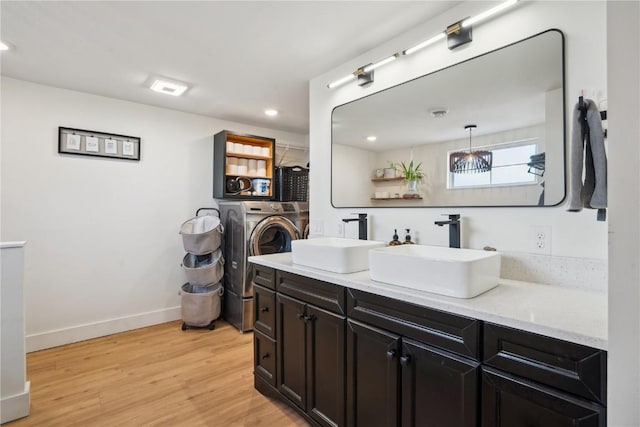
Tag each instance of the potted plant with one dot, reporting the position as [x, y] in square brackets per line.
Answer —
[412, 174]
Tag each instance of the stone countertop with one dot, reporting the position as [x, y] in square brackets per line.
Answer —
[570, 314]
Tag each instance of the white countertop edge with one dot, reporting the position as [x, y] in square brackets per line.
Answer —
[570, 314]
[7, 245]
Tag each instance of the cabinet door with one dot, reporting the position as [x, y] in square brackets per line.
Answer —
[438, 388]
[291, 336]
[372, 376]
[325, 366]
[509, 401]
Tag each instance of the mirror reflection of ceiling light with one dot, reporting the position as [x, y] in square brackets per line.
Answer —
[271, 112]
[168, 88]
[371, 138]
[457, 34]
[4, 46]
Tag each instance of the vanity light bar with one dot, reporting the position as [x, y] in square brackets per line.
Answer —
[484, 15]
[425, 43]
[440, 36]
[340, 82]
[380, 63]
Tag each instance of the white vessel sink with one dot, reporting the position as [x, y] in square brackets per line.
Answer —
[333, 253]
[460, 273]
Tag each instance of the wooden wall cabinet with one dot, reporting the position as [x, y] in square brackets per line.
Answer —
[238, 159]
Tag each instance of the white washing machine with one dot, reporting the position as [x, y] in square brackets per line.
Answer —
[254, 228]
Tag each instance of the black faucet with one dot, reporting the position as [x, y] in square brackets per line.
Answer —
[362, 225]
[454, 229]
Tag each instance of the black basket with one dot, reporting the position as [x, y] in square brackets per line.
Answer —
[292, 184]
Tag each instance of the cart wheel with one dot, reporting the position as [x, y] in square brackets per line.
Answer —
[184, 326]
[212, 325]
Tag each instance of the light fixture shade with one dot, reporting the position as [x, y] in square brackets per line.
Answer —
[470, 162]
[479, 161]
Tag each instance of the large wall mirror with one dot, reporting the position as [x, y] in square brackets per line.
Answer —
[515, 98]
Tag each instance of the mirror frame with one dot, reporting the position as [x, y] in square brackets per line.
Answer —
[564, 131]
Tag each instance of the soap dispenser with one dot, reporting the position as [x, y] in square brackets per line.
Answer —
[407, 238]
[395, 241]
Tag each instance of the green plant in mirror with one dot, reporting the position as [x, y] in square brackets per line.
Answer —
[411, 172]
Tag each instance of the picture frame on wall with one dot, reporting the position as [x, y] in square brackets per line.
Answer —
[98, 144]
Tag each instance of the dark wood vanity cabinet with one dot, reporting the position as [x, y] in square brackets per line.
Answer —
[310, 347]
[400, 367]
[348, 357]
[537, 381]
[508, 400]
[373, 376]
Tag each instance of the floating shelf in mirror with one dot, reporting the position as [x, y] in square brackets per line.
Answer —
[398, 178]
[514, 94]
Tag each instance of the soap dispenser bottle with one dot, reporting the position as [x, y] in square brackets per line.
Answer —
[407, 238]
[395, 241]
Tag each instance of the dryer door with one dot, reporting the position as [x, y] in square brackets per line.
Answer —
[273, 235]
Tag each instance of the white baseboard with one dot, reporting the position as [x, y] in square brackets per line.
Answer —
[16, 406]
[43, 340]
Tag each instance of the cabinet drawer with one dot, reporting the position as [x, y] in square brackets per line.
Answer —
[447, 331]
[514, 402]
[263, 276]
[264, 356]
[321, 294]
[569, 367]
[264, 303]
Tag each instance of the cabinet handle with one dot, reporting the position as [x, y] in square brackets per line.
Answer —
[300, 316]
[265, 356]
[391, 354]
[264, 309]
[309, 318]
[405, 360]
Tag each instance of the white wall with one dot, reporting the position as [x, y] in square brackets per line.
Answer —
[508, 229]
[623, 58]
[104, 251]
[354, 166]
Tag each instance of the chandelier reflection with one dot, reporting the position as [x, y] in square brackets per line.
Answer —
[470, 161]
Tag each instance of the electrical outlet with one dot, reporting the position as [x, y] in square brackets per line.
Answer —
[541, 239]
[317, 227]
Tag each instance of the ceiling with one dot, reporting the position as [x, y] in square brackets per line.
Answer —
[239, 57]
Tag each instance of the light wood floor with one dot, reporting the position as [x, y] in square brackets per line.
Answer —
[156, 376]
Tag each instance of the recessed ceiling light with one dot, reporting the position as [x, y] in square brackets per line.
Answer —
[372, 138]
[271, 112]
[168, 88]
[4, 46]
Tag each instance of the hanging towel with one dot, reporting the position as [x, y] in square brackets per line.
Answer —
[587, 151]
